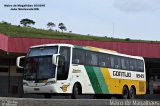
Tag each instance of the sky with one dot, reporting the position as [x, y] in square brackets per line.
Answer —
[135, 19]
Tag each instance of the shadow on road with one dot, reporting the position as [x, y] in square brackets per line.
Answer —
[147, 96]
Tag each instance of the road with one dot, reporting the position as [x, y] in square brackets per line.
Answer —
[147, 100]
[147, 96]
[78, 102]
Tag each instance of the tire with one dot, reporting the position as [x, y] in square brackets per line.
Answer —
[48, 96]
[76, 92]
[125, 93]
[132, 93]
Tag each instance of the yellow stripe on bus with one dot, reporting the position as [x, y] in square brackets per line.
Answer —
[115, 85]
[98, 49]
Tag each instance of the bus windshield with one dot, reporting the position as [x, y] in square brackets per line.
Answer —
[39, 63]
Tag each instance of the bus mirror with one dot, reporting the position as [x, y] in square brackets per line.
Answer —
[55, 58]
[20, 62]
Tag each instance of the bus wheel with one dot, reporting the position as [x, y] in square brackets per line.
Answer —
[132, 93]
[125, 93]
[76, 91]
[48, 96]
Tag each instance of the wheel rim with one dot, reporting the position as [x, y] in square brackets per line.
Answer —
[76, 92]
[132, 93]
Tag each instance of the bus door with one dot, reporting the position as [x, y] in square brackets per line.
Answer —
[63, 68]
[77, 63]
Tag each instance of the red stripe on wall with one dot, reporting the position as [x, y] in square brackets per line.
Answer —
[21, 45]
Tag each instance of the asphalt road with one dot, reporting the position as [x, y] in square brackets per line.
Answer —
[147, 96]
[77, 102]
[148, 100]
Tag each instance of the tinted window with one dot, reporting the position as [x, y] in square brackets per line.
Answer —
[132, 64]
[78, 56]
[115, 62]
[42, 51]
[91, 58]
[124, 63]
[140, 66]
[85, 57]
[63, 63]
[104, 60]
[112, 61]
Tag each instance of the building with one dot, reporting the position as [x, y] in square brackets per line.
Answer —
[12, 47]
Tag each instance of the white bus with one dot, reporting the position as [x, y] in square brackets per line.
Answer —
[68, 69]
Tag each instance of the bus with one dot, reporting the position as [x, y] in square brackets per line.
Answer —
[75, 70]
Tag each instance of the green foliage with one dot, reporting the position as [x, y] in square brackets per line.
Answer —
[127, 39]
[17, 31]
[6, 23]
[50, 25]
[62, 27]
[27, 22]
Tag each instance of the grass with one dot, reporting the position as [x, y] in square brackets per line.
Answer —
[18, 31]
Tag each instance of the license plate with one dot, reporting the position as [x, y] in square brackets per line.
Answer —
[31, 81]
[36, 89]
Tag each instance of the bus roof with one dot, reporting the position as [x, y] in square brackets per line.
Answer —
[44, 45]
[90, 48]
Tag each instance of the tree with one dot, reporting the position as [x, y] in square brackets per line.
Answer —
[27, 22]
[127, 39]
[6, 23]
[50, 25]
[62, 27]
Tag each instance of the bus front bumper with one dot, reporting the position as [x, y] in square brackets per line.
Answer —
[40, 89]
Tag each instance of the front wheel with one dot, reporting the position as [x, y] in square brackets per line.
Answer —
[76, 92]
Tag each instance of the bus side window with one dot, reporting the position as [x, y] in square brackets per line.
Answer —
[91, 58]
[140, 66]
[76, 61]
[104, 60]
[123, 62]
[94, 59]
[127, 63]
[132, 64]
[78, 56]
[112, 61]
[117, 63]
[88, 58]
[102, 64]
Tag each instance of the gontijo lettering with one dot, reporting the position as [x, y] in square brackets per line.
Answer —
[122, 74]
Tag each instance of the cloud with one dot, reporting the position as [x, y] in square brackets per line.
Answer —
[137, 5]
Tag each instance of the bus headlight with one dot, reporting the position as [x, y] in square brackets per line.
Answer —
[25, 84]
[50, 82]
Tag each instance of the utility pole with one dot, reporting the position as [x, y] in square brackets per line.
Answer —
[113, 29]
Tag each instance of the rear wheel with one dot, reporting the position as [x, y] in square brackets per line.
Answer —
[132, 93]
[76, 91]
[125, 93]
